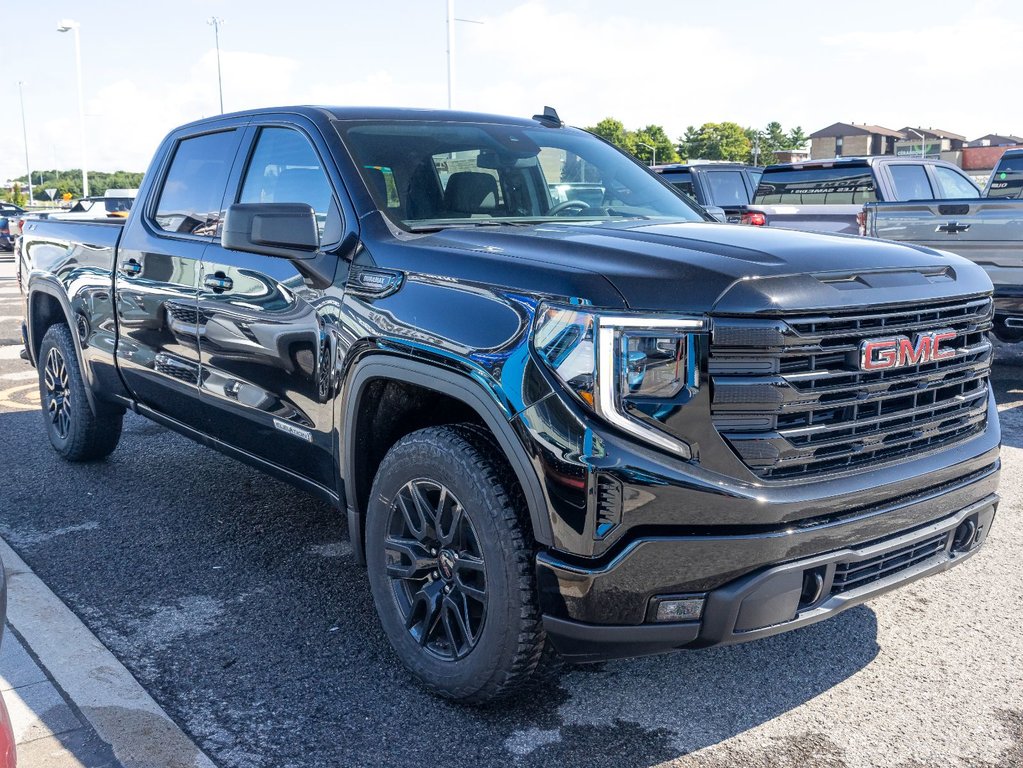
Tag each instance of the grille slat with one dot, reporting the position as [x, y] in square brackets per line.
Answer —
[857, 574]
[801, 406]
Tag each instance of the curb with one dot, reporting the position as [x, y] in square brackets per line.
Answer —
[113, 702]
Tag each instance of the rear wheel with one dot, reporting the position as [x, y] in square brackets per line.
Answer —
[75, 432]
[449, 564]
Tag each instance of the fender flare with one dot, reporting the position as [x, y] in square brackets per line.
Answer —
[447, 382]
[37, 285]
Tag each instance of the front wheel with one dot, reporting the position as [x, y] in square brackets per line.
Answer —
[449, 562]
[75, 432]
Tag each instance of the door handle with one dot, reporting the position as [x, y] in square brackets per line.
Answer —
[218, 282]
[131, 267]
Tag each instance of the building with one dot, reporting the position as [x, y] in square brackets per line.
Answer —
[853, 140]
[931, 141]
[996, 140]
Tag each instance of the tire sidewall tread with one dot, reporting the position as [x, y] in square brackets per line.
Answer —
[465, 459]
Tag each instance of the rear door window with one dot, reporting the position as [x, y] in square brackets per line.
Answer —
[910, 181]
[193, 191]
[682, 181]
[954, 185]
[727, 188]
[817, 186]
[1007, 180]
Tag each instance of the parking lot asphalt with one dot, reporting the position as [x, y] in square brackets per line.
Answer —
[234, 600]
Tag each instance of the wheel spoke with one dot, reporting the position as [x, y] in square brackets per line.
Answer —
[423, 616]
[454, 624]
[413, 560]
[423, 509]
[447, 534]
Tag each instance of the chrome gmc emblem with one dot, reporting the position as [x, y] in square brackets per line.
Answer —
[900, 351]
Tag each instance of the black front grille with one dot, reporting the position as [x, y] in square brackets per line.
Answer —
[790, 398]
[857, 574]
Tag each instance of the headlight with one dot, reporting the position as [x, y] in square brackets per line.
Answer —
[636, 372]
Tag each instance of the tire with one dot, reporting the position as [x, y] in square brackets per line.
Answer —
[75, 432]
[493, 650]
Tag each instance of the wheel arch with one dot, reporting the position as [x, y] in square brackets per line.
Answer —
[447, 383]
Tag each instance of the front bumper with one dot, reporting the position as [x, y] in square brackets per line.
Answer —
[770, 600]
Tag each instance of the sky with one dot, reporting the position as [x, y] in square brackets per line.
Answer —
[149, 66]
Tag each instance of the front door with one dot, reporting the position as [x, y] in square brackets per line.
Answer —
[157, 275]
[267, 350]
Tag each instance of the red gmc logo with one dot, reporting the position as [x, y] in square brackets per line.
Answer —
[899, 351]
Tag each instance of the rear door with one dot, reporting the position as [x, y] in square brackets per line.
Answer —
[265, 322]
[157, 273]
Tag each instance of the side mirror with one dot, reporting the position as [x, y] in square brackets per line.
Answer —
[716, 212]
[287, 230]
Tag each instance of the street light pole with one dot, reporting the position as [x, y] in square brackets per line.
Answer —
[215, 22]
[24, 133]
[67, 25]
[451, 48]
[653, 161]
[921, 140]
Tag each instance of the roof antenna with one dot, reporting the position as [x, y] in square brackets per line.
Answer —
[550, 117]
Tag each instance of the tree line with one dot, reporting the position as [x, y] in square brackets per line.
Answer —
[69, 182]
[711, 141]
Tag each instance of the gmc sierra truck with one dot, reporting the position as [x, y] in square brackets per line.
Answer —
[590, 429]
[828, 195]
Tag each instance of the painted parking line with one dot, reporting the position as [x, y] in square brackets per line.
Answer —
[10, 351]
[23, 397]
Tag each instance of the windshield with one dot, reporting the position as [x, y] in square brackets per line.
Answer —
[426, 175]
[846, 184]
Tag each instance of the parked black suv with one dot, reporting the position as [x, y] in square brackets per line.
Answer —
[605, 426]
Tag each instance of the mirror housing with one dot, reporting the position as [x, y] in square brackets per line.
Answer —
[287, 230]
[716, 212]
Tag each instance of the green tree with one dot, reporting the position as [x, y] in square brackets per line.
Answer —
[613, 131]
[715, 141]
[796, 139]
[654, 136]
[70, 181]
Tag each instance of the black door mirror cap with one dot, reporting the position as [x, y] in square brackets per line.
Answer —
[287, 230]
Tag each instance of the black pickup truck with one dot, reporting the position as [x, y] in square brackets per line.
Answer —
[728, 186]
[593, 429]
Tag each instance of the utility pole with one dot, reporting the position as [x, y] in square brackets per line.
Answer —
[24, 133]
[215, 22]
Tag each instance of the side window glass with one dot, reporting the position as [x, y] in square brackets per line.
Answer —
[953, 185]
[910, 182]
[193, 189]
[285, 169]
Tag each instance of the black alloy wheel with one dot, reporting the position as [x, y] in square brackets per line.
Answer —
[78, 430]
[450, 559]
[435, 564]
[58, 402]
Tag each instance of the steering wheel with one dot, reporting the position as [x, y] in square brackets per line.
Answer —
[566, 205]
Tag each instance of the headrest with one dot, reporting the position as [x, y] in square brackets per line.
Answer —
[470, 192]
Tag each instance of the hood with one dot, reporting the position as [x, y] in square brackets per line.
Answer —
[731, 269]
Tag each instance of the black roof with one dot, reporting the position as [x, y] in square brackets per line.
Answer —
[380, 113]
[688, 167]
